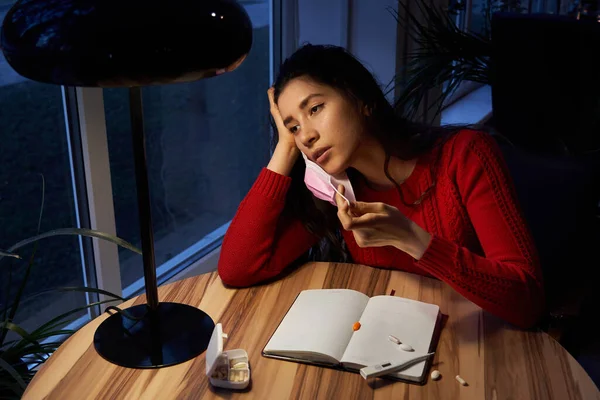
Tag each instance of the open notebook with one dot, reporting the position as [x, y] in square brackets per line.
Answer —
[318, 329]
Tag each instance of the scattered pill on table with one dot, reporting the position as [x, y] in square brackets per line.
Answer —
[435, 375]
[403, 346]
[406, 347]
[356, 326]
[461, 380]
[394, 339]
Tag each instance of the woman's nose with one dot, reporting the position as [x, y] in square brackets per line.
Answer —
[308, 137]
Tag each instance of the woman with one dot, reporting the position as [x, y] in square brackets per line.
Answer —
[432, 201]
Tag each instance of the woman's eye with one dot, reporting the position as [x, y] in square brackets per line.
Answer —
[294, 129]
[315, 109]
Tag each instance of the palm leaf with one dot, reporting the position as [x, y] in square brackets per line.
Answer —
[43, 332]
[5, 253]
[69, 289]
[6, 326]
[45, 328]
[15, 303]
[13, 372]
[78, 232]
[29, 354]
[444, 57]
[10, 385]
[7, 301]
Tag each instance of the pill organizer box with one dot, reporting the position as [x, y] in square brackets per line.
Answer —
[226, 369]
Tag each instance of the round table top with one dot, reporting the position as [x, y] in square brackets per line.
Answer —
[497, 360]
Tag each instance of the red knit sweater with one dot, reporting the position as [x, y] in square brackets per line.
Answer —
[480, 243]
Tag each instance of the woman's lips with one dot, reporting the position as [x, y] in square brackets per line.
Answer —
[324, 156]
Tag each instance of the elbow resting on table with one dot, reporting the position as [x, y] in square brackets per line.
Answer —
[531, 311]
[232, 276]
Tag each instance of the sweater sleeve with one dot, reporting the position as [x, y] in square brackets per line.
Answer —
[506, 282]
[259, 242]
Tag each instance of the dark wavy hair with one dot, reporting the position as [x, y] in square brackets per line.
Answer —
[337, 68]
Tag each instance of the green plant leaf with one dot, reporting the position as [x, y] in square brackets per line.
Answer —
[7, 301]
[77, 232]
[57, 320]
[17, 299]
[442, 56]
[28, 354]
[12, 372]
[88, 290]
[5, 253]
[69, 289]
[23, 348]
[10, 385]
[45, 331]
[6, 326]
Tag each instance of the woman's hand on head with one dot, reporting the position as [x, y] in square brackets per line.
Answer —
[379, 224]
[286, 152]
[285, 137]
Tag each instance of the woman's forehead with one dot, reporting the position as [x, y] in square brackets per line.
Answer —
[298, 88]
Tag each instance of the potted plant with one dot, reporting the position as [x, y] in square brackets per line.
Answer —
[441, 55]
[21, 351]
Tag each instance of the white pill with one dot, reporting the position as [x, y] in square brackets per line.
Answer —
[403, 346]
[240, 365]
[394, 339]
[406, 347]
[461, 380]
[435, 375]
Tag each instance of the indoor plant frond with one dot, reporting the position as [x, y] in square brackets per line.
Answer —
[443, 57]
[25, 351]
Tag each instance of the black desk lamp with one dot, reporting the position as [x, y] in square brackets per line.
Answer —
[132, 43]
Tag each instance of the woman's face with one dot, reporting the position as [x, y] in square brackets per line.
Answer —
[327, 126]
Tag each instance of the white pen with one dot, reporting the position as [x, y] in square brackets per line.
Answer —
[391, 366]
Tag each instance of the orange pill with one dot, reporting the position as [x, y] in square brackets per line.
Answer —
[356, 326]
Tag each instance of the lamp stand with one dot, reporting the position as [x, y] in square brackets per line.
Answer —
[154, 334]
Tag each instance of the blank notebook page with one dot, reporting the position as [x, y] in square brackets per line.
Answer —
[319, 321]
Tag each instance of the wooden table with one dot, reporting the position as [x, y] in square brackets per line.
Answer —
[497, 361]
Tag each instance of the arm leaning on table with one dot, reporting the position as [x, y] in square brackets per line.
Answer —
[260, 242]
[507, 281]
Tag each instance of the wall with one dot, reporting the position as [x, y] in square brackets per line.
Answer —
[372, 37]
[365, 27]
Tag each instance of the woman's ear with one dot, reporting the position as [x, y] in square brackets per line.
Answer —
[366, 110]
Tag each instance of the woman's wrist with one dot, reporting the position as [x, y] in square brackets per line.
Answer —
[283, 159]
[416, 243]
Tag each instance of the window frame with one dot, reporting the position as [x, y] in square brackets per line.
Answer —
[91, 179]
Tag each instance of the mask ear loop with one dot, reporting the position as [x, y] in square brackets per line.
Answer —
[338, 192]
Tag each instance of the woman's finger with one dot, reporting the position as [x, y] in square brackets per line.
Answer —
[339, 200]
[364, 221]
[360, 208]
[343, 212]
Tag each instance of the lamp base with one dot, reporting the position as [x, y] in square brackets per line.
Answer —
[171, 334]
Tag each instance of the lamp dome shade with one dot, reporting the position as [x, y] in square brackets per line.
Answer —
[124, 43]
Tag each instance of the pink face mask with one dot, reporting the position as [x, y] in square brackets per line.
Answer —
[324, 186]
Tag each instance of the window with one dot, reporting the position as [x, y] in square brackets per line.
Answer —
[34, 143]
[206, 142]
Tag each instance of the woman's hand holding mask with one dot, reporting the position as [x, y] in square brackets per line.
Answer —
[379, 224]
